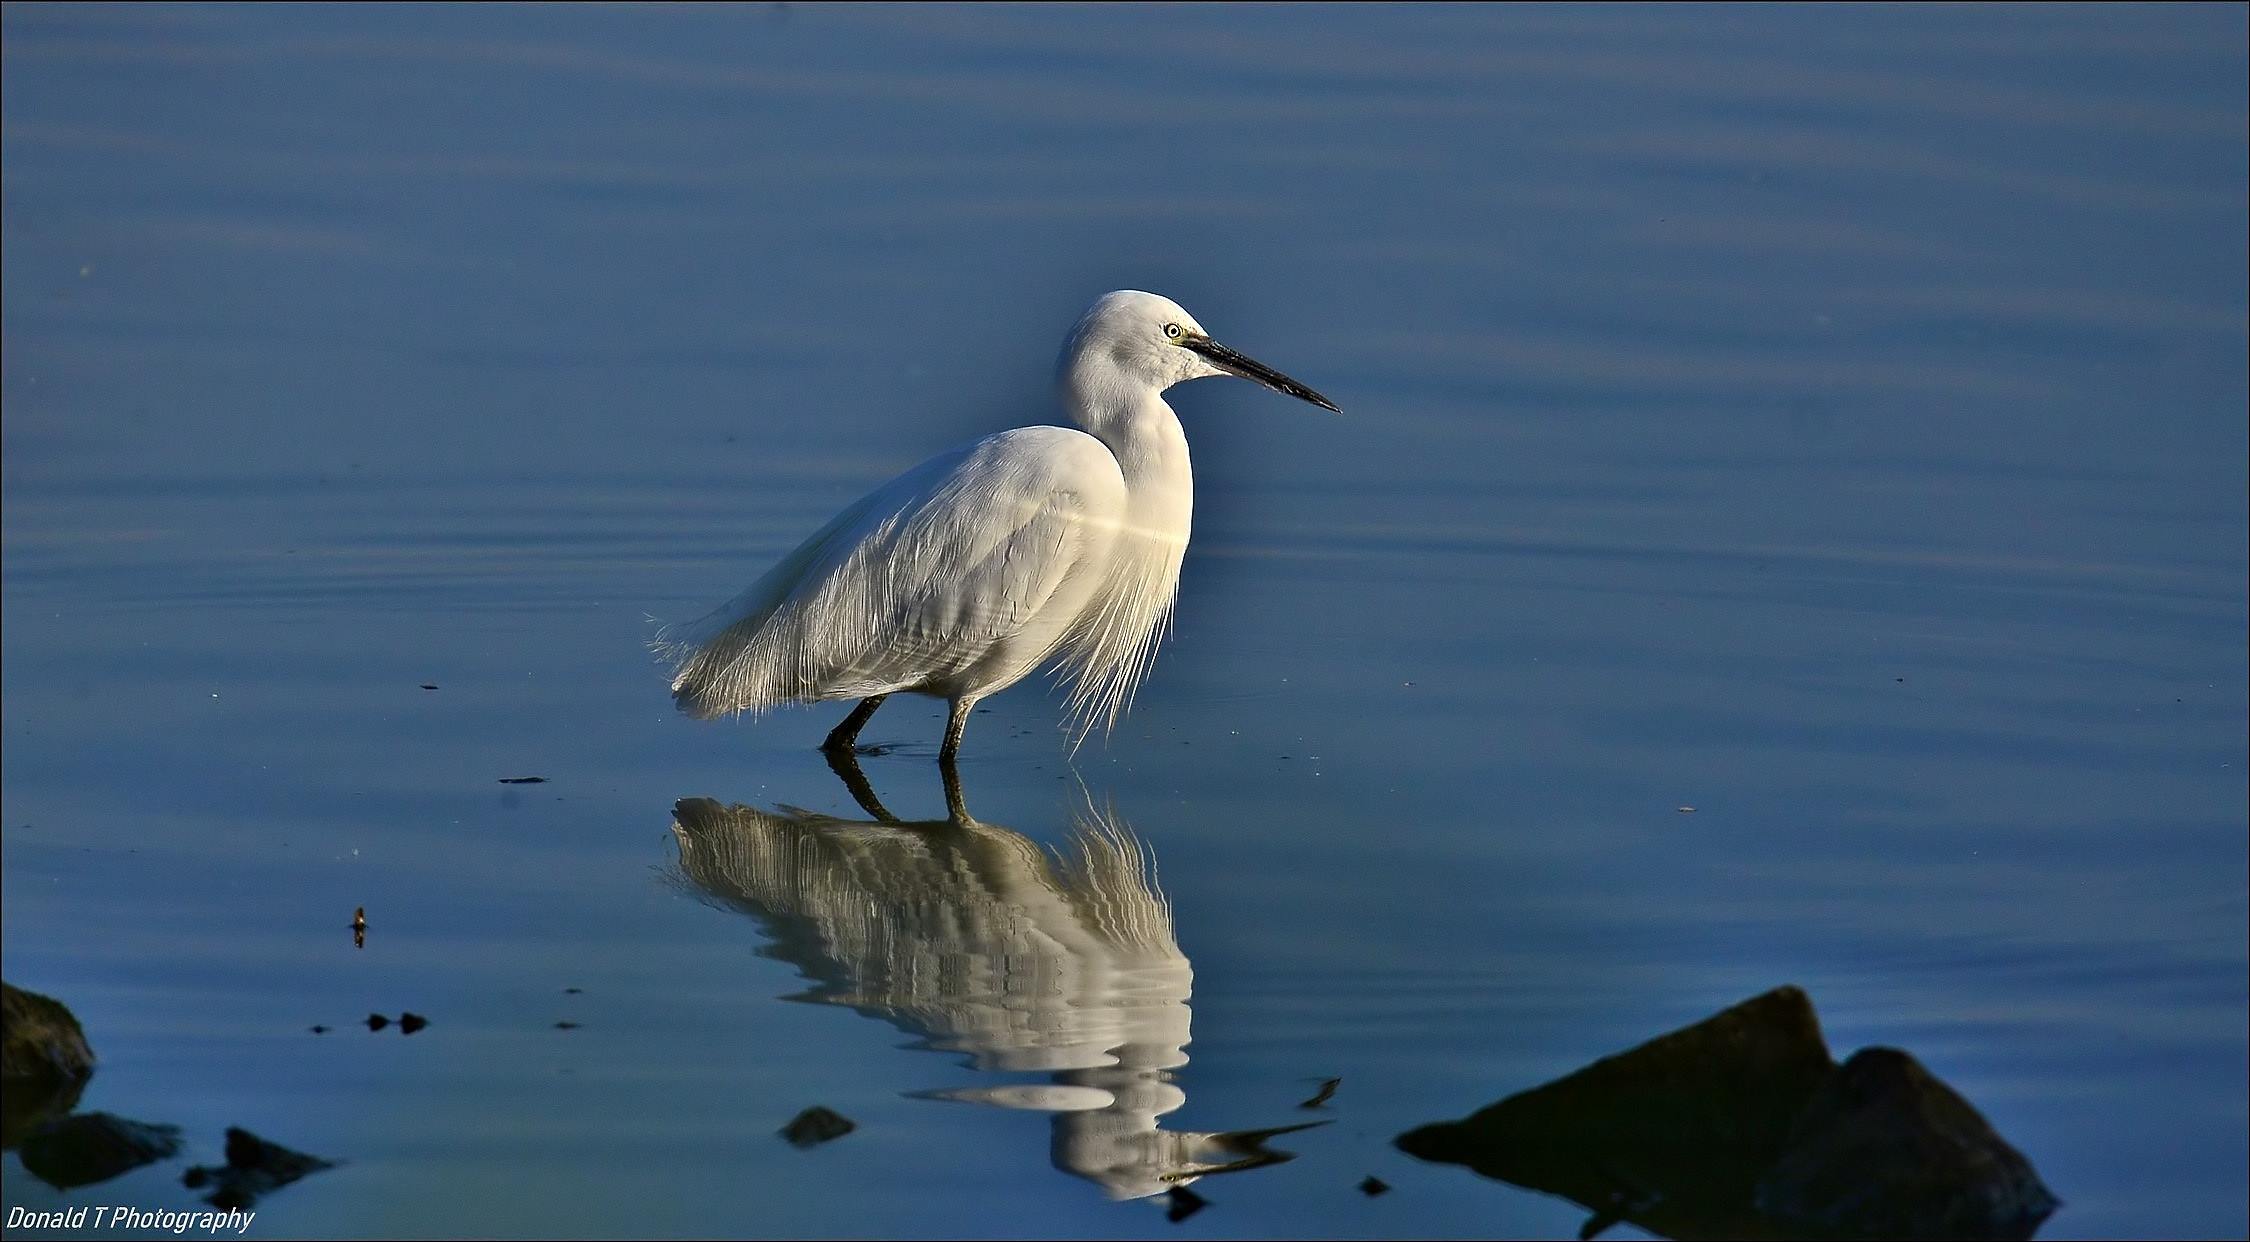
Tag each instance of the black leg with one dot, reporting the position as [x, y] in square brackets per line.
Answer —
[842, 736]
[958, 720]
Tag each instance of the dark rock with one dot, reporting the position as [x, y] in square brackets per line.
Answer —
[45, 1060]
[1887, 1150]
[408, 1023]
[39, 1039]
[523, 780]
[376, 1022]
[1183, 1203]
[254, 1167]
[1741, 1126]
[87, 1148]
[1373, 1186]
[1695, 1115]
[817, 1125]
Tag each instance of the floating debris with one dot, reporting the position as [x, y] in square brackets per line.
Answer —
[254, 1167]
[86, 1148]
[817, 1125]
[318, 1029]
[1184, 1203]
[359, 927]
[523, 780]
[566, 1025]
[408, 1023]
[1326, 1093]
[572, 991]
[1372, 1186]
[1685, 810]
[428, 686]
[376, 1022]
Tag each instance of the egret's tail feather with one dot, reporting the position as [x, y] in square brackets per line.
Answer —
[752, 652]
[720, 666]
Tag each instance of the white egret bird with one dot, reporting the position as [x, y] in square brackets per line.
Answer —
[957, 578]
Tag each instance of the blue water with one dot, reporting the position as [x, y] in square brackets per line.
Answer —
[1829, 420]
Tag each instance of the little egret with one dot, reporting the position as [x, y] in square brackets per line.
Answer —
[957, 578]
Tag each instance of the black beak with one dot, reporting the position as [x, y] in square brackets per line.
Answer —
[1251, 369]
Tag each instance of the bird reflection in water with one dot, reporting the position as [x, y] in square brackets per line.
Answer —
[976, 941]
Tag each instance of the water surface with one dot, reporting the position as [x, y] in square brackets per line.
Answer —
[1831, 421]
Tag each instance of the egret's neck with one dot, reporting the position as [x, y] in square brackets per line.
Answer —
[1139, 427]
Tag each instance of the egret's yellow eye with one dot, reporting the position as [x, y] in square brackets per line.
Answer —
[1172, 331]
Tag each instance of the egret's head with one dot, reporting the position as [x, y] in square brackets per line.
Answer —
[1140, 339]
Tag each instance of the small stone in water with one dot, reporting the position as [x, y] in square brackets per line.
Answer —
[816, 1125]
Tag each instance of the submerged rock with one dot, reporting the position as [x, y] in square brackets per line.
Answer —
[1743, 1126]
[254, 1167]
[817, 1125]
[30, 1103]
[87, 1148]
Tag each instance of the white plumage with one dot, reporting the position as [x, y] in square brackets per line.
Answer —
[1033, 546]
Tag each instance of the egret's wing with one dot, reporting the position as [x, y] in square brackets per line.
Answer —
[919, 578]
